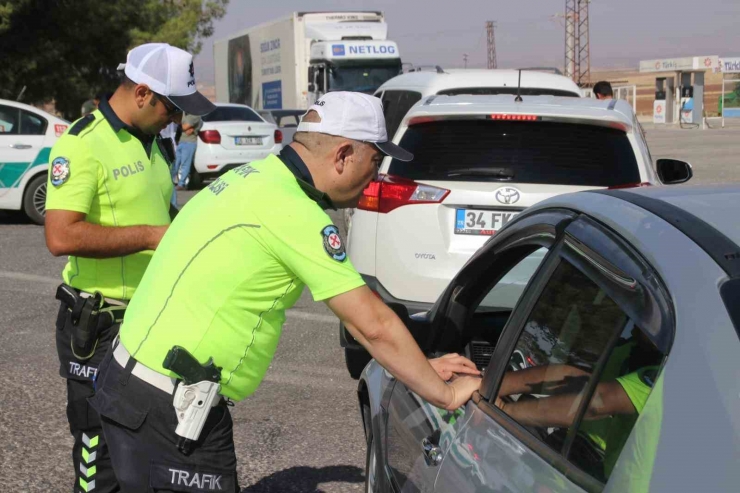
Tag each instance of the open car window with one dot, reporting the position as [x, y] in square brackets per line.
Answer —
[488, 318]
[580, 372]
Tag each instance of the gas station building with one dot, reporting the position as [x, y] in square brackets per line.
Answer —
[680, 87]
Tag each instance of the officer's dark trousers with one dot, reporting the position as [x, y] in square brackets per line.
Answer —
[92, 465]
[139, 425]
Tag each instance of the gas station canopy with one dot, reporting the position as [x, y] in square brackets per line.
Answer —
[685, 64]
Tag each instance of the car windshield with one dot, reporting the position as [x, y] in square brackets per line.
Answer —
[232, 114]
[523, 152]
[361, 78]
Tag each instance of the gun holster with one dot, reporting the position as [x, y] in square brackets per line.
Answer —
[84, 320]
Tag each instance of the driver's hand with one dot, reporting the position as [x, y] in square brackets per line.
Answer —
[453, 364]
[499, 403]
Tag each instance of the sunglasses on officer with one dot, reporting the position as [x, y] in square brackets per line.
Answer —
[170, 108]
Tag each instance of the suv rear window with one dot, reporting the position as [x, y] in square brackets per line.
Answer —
[523, 152]
[231, 114]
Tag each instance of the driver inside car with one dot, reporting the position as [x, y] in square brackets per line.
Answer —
[550, 396]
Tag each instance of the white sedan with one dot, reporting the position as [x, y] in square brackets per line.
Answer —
[26, 136]
[232, 135]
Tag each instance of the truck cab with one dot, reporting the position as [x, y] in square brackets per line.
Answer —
[352, 65]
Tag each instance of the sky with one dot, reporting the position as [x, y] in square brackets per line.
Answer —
[435, 32]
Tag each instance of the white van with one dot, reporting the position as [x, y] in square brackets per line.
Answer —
[26, 136]
[400, 93]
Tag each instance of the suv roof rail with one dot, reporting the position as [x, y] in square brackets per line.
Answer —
[554, 70]
[419, 68]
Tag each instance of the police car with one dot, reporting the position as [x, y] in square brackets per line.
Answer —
[478, 162]
[26, 137]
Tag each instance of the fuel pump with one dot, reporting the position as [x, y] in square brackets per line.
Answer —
[686, 114]
[663, 104]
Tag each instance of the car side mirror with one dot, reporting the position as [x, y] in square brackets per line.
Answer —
[419, 324]
[674, 171]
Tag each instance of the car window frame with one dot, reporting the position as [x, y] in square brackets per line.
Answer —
[17, 127]
[44, 127]
[582, 232]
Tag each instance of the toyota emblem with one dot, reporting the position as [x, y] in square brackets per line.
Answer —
[508, 195]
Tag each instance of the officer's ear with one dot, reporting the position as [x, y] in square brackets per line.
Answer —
[343, 153]
[142, 95]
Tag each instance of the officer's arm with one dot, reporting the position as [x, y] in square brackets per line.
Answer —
[386, 338]
[67, 233]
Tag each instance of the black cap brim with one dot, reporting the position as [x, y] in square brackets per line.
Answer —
[193, 104]
[394, 151]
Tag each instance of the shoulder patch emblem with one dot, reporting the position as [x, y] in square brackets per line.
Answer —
[59, 171]
[333, 243]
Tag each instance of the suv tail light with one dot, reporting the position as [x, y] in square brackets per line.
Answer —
[390, 192]
[278, 137]
[210, 136]
[631, 185]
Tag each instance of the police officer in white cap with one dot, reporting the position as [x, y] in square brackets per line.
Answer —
[218, 287]
[107, 207]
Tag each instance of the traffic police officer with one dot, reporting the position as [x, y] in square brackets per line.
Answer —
[238, 256]
[107, 207]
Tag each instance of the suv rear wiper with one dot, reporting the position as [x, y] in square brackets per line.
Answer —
[506, 173]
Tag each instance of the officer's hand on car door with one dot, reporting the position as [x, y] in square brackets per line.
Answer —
[453, 364]
[463, 388]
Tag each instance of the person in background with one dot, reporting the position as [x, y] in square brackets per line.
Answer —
[191, 125]
[603, 90]
[169, 136]
[88, 107]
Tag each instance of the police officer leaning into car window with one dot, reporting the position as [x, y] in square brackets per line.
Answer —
[235, 260]
[107, 207]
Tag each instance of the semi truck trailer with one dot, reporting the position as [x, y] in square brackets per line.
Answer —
[291, 62]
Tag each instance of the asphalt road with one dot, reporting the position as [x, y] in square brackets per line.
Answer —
[300, 432]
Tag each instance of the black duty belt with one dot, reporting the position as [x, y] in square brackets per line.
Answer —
[87, 315]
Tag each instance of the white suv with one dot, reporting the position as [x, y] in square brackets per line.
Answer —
[478, 162]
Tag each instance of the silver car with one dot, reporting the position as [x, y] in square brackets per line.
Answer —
[608, 326]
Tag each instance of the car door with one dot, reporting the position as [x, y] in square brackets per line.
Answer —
[417, 433]
[21, 140]
[594, 326]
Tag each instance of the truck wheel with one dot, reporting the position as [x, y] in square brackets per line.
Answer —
[356, 360]
[34, 199]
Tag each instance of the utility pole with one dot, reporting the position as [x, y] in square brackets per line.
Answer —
[490, 25]
[577, 43]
